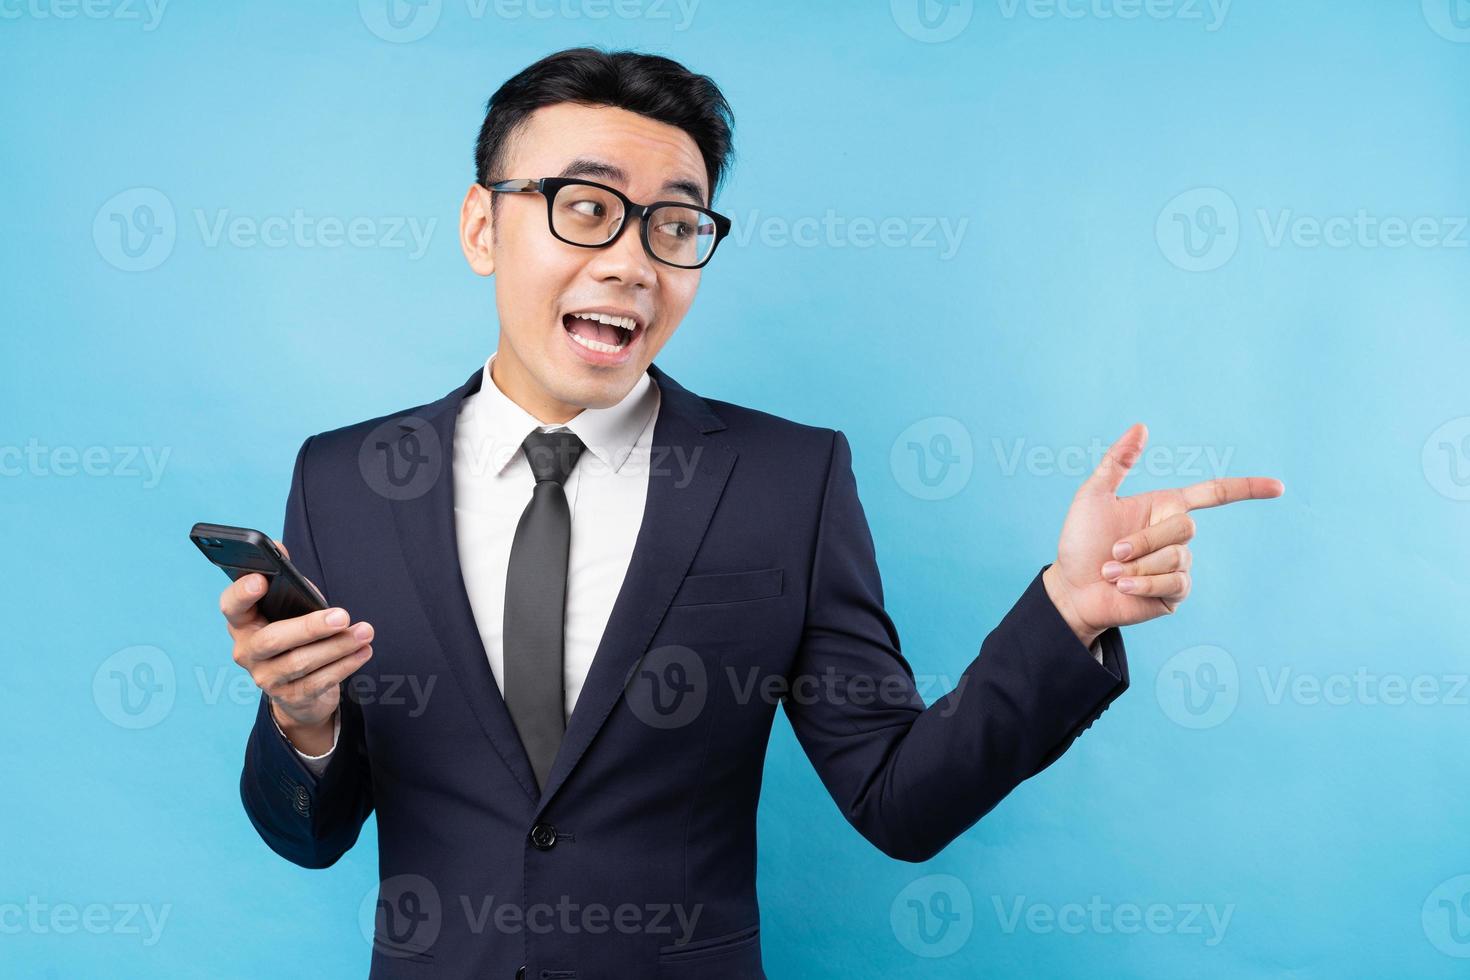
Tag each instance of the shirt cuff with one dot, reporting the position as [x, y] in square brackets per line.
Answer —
[317, 764]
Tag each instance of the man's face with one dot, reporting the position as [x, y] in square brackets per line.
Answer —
[540, 281]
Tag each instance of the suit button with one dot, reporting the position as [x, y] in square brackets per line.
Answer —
[543, 836]
[521, 974]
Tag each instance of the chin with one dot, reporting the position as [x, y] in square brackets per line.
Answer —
[606, 393]
[575, 386]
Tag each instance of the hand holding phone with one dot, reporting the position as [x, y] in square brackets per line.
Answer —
[296, 649]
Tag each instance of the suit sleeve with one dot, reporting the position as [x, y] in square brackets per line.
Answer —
[308, 819]
[909, 778]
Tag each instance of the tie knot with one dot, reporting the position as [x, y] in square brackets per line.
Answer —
[552, 454]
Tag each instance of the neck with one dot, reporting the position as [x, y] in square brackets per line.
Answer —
[511, 377]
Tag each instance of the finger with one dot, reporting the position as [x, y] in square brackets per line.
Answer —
[1230, 489]
[319, 682]
[1171, 585]
[1118, 460]
[1171, 530]
[1171, 558]
[281, 547]
[237, 601]
[296, 664]
[288, 634]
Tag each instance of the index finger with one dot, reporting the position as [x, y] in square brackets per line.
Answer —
[1230, 489]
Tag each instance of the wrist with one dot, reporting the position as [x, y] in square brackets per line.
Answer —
[1061, 597]
[310, 738]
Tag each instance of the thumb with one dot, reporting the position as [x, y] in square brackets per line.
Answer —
[1117, 461]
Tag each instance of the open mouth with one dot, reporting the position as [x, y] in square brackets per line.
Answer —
[602, 333]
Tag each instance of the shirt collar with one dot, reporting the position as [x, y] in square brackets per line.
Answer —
[496, 426]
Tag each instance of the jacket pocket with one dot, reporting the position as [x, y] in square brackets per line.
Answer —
[401, 952]
[731, 943]
[762, 583]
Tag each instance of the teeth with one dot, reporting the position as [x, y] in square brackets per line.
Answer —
[597, 344]
[626, 322]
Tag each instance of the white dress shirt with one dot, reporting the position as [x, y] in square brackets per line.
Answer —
[606, 492]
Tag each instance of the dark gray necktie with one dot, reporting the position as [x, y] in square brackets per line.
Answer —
[535, 601]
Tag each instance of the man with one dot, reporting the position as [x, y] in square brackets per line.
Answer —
[588, 588]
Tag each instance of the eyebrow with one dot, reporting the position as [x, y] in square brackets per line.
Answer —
[600, 170]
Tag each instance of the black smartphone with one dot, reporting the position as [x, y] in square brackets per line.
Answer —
[242, 550]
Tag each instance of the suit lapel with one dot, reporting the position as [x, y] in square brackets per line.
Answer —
[425, 526]
[687, 474]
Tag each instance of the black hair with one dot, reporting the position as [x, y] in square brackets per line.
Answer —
[650, 85]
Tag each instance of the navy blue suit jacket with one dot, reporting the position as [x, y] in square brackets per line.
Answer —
[753, 582]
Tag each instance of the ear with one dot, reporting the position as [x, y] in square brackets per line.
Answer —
[476, 231]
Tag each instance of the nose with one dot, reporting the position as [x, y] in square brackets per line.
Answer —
[625, 261]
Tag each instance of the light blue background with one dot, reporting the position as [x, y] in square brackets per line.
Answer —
[1332, 834]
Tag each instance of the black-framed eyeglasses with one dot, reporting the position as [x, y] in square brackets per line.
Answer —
[592, 215]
